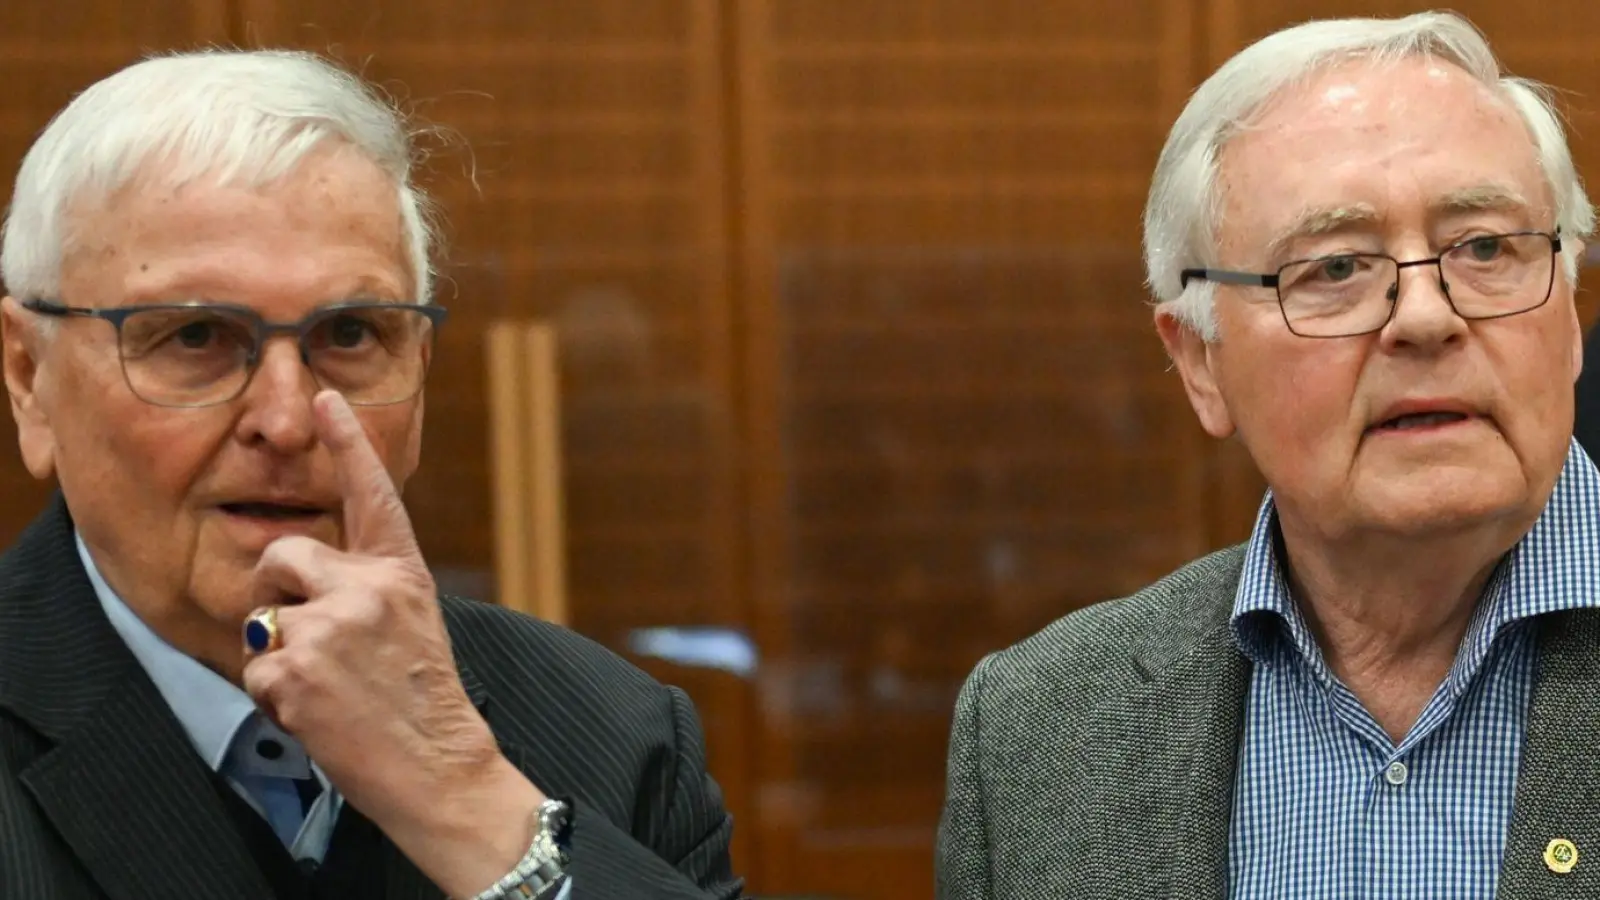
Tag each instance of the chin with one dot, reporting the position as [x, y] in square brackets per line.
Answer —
[222, 590]
[1443, 501]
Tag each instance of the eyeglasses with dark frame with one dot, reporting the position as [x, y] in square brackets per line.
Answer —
[190, 355]
[1350, 294]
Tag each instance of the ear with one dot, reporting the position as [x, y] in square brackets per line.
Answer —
[24, 344]
[1195, 362]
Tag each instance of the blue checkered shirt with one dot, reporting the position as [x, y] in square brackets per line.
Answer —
[1325, 804]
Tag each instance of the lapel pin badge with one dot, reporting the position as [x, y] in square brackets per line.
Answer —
[1561, 855]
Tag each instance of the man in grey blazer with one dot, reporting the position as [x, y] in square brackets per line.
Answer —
[225, 669]
[1362, 238]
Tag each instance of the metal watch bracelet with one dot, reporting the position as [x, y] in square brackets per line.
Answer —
[543, 867]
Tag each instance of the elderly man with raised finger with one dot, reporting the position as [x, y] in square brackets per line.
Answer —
[1362, 237]
[225, 670]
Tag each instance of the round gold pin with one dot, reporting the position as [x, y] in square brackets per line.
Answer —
[1561, 855]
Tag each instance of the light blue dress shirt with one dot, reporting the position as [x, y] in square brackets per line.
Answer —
[228, 732]
[1326, 806]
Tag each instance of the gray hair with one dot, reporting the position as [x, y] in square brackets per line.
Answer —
[1184, 209]
[245, 118]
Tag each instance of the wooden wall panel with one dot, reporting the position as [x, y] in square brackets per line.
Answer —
[45, 58]
[960, 418]
[855, 355]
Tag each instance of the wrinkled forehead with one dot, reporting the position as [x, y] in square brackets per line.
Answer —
[330, 225]
[1396, 143]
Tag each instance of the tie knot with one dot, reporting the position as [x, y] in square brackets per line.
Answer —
[261, 748]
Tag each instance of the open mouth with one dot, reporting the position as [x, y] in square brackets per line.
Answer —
[276, 511]
[1419, 420]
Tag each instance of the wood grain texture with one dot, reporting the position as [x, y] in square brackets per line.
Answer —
[855, 355]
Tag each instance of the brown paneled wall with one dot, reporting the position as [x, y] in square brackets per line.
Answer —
[961, 426]
[855, 359]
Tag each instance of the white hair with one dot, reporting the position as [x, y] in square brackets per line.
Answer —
[1184, 210]
[244, 118]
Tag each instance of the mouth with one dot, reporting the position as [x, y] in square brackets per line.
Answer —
[1420, 421]
[278, 512]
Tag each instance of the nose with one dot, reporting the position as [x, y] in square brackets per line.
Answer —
[1422, 316]
[277, 403]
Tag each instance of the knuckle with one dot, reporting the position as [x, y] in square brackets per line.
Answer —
[363, 612]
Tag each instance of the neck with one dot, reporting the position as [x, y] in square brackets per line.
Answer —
[1389, 613]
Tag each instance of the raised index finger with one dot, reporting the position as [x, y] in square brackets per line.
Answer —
[375, 519]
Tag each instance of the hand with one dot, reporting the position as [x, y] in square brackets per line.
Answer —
[366, 681]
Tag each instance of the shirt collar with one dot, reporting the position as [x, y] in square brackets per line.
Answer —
[1556, 566]
[211, 709]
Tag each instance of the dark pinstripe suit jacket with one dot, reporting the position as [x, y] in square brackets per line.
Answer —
[1095, 760]
[102, 796]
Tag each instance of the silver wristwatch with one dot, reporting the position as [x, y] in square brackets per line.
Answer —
[539, 872]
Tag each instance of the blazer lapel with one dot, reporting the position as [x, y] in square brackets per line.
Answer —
[136, 805]
[1209, 703]
[121, 784]
[1558, 781]
[1170, 839]
[1145, 788]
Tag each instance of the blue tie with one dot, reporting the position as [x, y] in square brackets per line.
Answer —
[273, 772]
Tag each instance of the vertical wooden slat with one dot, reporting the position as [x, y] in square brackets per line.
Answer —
[772, 819]
[712, 89]
[546, 515]
[508, 438]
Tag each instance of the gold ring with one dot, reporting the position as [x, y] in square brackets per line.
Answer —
[261, 634]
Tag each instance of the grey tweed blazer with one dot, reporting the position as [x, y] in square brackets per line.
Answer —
[102, 797]
[1096, 759]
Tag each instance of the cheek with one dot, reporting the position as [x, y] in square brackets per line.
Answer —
[1534, 369]
[396, 433]
[1293, 403]
[127, 468]
[131, 449]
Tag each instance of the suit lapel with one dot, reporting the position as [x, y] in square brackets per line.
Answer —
[1165, 813]
[1146, 786]
[120, 783]
[1209, 696]
[1558, 781]
[137, 806]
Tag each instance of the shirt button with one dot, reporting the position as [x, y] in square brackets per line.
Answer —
[269, 748]
[1396, 774]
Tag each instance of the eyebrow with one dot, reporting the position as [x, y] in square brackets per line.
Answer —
[1491, 197]
[1315, 221]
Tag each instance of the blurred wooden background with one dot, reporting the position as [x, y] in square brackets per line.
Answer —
[856, 364]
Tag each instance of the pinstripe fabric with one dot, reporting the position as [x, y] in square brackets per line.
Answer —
[102, 795]
[1097, 759]
[1315, 814]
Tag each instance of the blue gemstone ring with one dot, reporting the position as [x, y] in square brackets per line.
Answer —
[261, 633]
